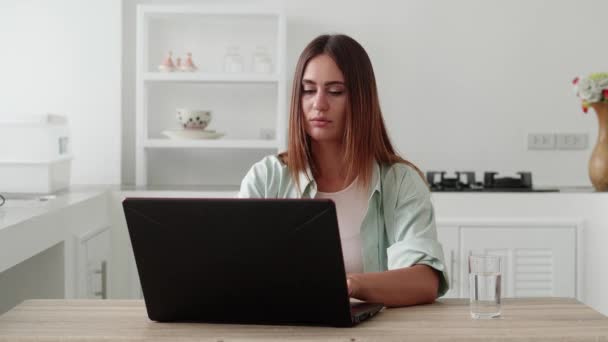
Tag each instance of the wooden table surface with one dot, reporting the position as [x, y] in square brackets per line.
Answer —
[546, 319]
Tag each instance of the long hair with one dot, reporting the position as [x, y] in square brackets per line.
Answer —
[365, 138]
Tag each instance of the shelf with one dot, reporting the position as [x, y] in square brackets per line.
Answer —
[215, 143]
[249, 102]
[207, 77]
[169, 11]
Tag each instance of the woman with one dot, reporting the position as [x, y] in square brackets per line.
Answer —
[338, 148]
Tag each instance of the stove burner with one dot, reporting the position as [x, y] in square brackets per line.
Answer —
[465, 181]
[524, 181]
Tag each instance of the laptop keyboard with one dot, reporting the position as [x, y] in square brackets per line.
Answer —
[356, 308]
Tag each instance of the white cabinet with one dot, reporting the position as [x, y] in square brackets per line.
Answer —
[540, 259]
[87, 247]
[248, 103]
[536, 262]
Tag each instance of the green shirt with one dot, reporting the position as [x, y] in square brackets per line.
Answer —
[399, 227]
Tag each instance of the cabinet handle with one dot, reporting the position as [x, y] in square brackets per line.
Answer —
[452, 262]
[104, 277]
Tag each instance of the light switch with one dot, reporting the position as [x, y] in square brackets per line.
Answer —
[541, 141]
[571, 141]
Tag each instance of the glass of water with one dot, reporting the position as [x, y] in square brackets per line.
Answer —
[484, 286]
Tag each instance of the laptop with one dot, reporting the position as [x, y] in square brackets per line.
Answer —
[248, 261]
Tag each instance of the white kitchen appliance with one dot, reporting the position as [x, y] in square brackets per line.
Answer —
[35, 154]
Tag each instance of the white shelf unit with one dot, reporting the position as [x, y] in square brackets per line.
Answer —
[245, 106]
[206, 77]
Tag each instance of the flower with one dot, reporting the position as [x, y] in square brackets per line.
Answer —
[591, 89]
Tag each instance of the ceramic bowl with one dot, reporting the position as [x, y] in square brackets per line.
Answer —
[193, 118]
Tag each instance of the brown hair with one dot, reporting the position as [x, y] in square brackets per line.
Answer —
[365, 137]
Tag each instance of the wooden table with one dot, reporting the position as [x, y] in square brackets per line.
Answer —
[547, 319]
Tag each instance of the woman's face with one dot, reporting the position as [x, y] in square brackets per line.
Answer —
[324, 100]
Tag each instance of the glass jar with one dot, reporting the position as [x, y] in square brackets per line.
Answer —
[261, 62]
[233, 61]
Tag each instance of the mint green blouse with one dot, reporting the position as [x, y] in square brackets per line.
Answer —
[399, 227]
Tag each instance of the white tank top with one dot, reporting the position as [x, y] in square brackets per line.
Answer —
[351, 206]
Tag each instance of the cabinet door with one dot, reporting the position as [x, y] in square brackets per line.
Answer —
[448, 237]
[537, 261]
[93, 255]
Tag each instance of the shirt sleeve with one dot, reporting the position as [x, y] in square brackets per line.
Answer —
[414, 233]
[261, 180]
[252, 185]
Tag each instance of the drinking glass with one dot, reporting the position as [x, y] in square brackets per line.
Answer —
[484, 286]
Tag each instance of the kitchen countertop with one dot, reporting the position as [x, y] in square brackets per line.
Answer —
[578, 189]
[22, 207]
[546, 319]
[541, 190]
[19, 208]
[235, 188]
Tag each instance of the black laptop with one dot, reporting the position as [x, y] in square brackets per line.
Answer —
[252, 261]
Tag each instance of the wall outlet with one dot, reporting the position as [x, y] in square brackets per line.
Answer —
[541, 141]
[571, 141]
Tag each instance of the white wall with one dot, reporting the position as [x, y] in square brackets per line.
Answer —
[461, 83]
[64, 56]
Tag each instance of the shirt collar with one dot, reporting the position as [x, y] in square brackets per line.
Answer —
[307, 183]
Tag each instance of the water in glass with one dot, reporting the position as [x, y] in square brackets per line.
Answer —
[485, 294]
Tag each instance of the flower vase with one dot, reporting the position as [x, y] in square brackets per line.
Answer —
[598, 164]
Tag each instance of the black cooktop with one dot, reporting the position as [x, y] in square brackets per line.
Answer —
[465, 181]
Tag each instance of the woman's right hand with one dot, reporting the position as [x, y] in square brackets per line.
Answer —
[352, 284]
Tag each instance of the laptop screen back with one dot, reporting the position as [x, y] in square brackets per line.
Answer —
[267, 261]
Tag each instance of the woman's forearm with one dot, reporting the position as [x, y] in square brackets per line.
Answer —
[413, 285]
